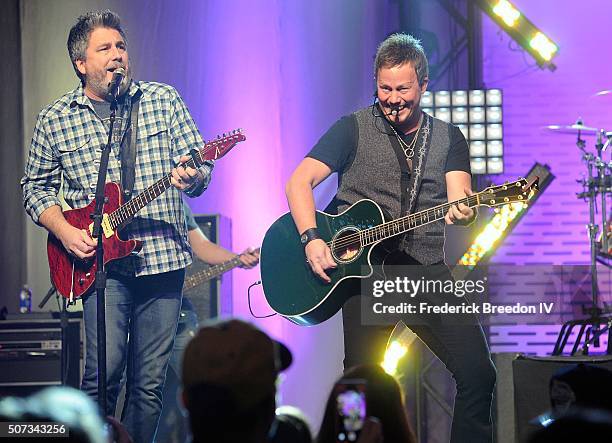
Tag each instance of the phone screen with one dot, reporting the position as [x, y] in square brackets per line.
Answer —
[351, 409]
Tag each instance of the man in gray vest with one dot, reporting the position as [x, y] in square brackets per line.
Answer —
[406, 161]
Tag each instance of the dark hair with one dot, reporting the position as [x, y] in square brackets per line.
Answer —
[384, 401]
[78, 37]
[398, 49]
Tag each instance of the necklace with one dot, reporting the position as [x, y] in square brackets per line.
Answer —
[408, 148]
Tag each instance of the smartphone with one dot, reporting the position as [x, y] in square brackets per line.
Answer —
[351, 409]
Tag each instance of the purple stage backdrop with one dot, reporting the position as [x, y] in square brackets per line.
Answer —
[554, 230]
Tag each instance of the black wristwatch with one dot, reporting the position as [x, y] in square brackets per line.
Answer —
[309, 235]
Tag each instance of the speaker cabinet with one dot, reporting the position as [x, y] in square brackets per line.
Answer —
[213, 298]
[531, 379]
[31, 353]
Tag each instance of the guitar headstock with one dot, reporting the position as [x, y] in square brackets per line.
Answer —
[217, 148]
[518, 191]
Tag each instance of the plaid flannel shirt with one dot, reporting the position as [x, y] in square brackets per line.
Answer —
[68, 141]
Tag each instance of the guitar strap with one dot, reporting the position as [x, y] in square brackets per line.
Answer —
[413, 184]
[411, 178]
[418, 166]
[128, 154]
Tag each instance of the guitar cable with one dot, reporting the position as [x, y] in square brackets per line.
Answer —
[258, 282]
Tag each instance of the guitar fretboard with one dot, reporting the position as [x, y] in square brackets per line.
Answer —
[125, 212]
[210, 273]
[401, 225]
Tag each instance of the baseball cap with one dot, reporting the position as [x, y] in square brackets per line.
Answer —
[237, 356]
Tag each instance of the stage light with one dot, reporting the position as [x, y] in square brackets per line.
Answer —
[495, 165]
[494, 97]
[442, 98]
[478, 166]
[478, 148]
[494, 131]
[544, 46]
[443, 114]
[494, 114]
[477, 98]
[460, 115]
[460, 98]
[522, 30]
[492, 232]
[478, 114]
[398, 343]
[507, 12]
[395, 351]
[501, 224]
[426, 100]
[477, 132]
[495, 148]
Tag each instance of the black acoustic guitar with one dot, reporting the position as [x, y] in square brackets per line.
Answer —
[295, 292]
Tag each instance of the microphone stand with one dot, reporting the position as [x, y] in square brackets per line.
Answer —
[100, 284]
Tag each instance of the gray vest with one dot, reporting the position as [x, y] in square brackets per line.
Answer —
[376, 173]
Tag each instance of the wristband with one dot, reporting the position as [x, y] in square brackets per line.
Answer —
[309, 235]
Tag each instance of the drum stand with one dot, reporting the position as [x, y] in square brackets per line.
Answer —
[599, 320]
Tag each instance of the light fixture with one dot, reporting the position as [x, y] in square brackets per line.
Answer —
[478, 114]
[545, 47]
[507, 12]
[398, 344]
[501, 224]
[522, 30]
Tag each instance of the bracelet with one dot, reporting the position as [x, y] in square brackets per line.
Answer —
[309, 235]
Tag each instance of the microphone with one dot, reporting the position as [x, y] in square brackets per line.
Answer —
[395, 110]
[113, 86]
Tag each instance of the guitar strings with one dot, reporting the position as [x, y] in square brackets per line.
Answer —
[471, 201]
[118, 216]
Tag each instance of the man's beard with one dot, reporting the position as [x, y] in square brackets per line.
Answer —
[98, 84]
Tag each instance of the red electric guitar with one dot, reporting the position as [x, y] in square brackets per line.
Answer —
[73, 277]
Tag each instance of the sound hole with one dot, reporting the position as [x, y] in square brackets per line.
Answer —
[346, 246]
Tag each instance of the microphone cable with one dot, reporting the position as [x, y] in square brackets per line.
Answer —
[258, 282]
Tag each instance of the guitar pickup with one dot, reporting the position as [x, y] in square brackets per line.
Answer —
[106, 227]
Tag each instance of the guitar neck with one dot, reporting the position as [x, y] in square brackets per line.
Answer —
[404, 224]
[212, 272]
[124, 213]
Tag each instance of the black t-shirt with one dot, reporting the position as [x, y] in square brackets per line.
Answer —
[103, 111]
[336, 148]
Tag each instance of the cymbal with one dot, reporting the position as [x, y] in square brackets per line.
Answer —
[572, 129]
[604, 93]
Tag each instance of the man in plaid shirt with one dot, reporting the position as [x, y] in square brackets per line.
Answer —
[143, 294]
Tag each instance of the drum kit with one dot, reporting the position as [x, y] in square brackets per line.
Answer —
[597, 186]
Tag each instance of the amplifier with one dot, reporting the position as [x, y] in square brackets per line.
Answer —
[31, 351]
[213, 298]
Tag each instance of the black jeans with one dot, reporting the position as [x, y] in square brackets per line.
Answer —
[461, 347]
